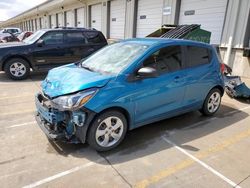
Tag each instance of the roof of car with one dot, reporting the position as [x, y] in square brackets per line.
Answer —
[70, 29]
[155, 41]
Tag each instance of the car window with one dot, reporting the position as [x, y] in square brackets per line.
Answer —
[197, 56]
[75, 38]
[165, 60]
[12, 30]
[93, 37]
[53, 38]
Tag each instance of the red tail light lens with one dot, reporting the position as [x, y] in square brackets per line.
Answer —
[222, 67]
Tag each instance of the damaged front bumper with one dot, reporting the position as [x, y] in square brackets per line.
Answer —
[66, 126]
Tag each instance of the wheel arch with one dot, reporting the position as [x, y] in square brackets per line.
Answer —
[220, 88]
[13, 57]
[120, 109]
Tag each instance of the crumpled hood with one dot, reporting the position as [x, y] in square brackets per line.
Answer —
[71, 78]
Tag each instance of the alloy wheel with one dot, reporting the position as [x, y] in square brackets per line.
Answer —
[109, 131]
[17, 69]
[214, 102]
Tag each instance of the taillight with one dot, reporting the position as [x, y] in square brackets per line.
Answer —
[222, 67]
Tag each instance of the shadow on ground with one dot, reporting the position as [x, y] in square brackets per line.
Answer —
[138, 141]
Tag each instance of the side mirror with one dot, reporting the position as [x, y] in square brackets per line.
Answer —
[147, 72]
[40, 43]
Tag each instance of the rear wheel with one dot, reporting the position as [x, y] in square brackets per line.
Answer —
[212, 102]
[17, 69]
[107, 131]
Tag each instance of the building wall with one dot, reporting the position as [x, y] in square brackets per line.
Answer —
[235, 34]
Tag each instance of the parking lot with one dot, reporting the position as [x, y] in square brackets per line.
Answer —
[185, 151]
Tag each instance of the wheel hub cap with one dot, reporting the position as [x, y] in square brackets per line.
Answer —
[214, 102]
[17, 69]
[109, 131]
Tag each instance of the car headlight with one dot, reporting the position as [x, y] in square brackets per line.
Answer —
[75, 101]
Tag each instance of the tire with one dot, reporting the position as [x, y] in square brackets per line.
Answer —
[212, 102]
[100, 135]
[17, 69]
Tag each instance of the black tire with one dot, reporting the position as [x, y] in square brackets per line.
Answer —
[206, 108]
[17, 69]
[101, 126]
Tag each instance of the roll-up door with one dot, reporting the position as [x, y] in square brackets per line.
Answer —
[117, 18]
[149, 17]
[80, 17]
[70, 22]
[210, 14]
[60, 19]
[53, 21]
[96, 16]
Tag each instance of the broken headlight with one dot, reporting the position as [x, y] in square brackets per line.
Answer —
[75, 101]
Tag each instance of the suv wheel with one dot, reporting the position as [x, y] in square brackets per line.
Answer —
[212, 102]
[17, 69]
[107, 131]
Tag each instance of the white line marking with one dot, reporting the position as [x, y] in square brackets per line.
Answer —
[56, 176]
[59, 175]
[201, 163]
[19, 125]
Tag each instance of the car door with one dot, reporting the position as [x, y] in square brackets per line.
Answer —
[200, 75]
[162, 96]
[77, 47]
[51, 52]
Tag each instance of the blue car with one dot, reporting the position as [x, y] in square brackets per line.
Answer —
[127, 85]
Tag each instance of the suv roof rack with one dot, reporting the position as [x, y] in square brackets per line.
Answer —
[79, 28]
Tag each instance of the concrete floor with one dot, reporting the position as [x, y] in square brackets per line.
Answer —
[185, 151]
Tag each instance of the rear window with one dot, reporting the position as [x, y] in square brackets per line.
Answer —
[94, 37]
[197, 56]
[12, 30]
[75, 38]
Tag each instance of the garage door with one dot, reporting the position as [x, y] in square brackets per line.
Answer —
[96, 17]
[60, 19]
[149, 17]
[210, 14]
[70, 22]
[43, 23]
[53, 21]
[80, 17]
[38, 23]
[117, 19]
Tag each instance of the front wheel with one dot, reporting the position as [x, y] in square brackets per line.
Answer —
[212, 102]
[17, 69]
[107, 131]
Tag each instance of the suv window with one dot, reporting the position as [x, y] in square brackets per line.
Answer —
[197, 56]
[12, 30]
[93, 37]
[75, 38]
[165, 60]
[53, 38]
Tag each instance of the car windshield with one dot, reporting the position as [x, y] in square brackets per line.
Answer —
[31, 39]
[114, 58]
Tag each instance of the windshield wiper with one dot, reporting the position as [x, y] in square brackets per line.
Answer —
[87, 68]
